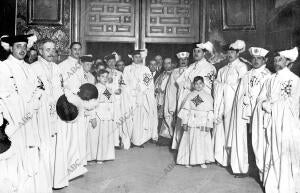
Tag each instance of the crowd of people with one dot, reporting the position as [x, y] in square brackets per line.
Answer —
[204, 115]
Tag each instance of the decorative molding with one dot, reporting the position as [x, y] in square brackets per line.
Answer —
[238, 14]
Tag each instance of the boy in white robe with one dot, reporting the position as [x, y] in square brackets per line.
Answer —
[224, 92]
[277, 114]
[243, 106]
[20, 96]
[103, 136]
[201, 67]
[165, 133]
[196, 114]
[139, 88]
[51, 134]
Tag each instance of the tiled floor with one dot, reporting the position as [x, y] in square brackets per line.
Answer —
[152, 170]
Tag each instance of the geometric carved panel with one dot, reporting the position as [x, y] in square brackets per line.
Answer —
[176, 19]
[113, 18]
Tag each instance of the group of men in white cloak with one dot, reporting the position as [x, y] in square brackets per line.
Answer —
[206, 114]
[40, 151]
[254, 102]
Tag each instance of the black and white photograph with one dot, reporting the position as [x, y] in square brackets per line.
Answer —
[149, 96]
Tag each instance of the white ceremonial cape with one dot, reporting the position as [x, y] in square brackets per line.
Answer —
[224, 92]
[20, 97]
[139, 89]
[160, 95]
[50, 126]
[243, 106]
[171, 101]
[75, 134]
[116, 84]
[278, 154]
[200, 68]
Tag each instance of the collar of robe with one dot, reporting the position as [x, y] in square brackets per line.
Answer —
[15, 60]
[260, 69]
[72, 59]
[284, 72]
[234, 63]
[41, 59]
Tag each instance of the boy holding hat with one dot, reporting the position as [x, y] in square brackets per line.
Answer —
[277, 113]
[243, 106]
[224, 92]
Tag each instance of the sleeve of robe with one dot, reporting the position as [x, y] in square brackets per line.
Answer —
[183, 79]
[170, 97]
[184, 112]
[236, 120]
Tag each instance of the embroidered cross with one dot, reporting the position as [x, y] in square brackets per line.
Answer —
[147, 78]
[107, 94]
[286, 88]
[197, 100]
[121, 81]
[254, 81]
[210, 76]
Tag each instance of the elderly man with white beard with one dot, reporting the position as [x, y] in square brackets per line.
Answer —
[243, 106]
[51, 134]
[277, 116]
[224, 92]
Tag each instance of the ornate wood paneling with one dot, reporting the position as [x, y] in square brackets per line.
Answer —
[106, 19]
[172, 20]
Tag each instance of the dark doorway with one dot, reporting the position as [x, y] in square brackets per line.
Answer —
[101, 49]
[7, 21]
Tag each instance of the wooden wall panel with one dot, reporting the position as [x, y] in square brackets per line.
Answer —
[109, 20]
[172, 21]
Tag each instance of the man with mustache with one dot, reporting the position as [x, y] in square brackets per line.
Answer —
[20, 93]
[224, 92]
[51, 134]
[277, 115]
[243, 106]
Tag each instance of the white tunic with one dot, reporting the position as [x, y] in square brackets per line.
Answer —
[139, 89]
[50, 126]
[243, 106]
[224, 92]
[20, 97]
[277, 113]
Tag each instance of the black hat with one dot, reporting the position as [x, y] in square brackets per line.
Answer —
[18, 38]
[5, 143]
[86, 58]
[66, 110]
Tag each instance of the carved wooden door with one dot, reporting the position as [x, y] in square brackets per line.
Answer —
[140, 21]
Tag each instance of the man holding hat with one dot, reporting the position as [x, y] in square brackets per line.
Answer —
[277, 113]
[243, 106]
[139, 87]
[20, 93]
[224, 92]
[51, 134]
[201, 67]
[173, 91]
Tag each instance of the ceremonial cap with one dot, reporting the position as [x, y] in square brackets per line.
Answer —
[208, 46]
[182, 55]
[86, 58]
[256, 51]
[7, 41]
[291, 54]
[238, 45]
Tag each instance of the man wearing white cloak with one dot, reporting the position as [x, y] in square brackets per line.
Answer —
[139, 87]
[20, 94]
[50, 126]
[201, 67]
[243, 105]
[277, 114]
[224, 92]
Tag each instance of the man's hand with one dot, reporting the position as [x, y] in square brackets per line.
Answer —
[93, 122]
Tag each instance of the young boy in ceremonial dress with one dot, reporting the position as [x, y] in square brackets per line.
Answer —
[197, 120]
